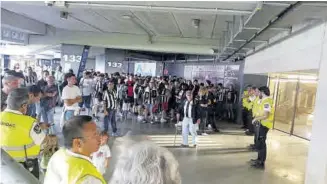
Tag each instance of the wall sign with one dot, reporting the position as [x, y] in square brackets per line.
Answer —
[115, 64]
[72, 58]
[13, 36]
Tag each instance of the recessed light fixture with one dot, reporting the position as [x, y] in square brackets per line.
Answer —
[126, 17]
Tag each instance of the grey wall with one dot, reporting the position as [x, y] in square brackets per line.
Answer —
[118, 56]
[67, 49]
[256, 80]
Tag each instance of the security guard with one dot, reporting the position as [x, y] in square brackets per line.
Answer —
[244, 106]
[265, 117]
[73, 163]
[255, 113]
[248, 110]
[21, 135]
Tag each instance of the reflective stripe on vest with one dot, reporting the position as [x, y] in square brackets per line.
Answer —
[15, 134]
[79, 168]
[17, 148]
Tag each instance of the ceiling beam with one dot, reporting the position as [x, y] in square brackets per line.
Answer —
[276, 4]
[243, 24]
[258, 41]
[21, 23]
[76, 4]
[86, 23]
[176, 24]
[273, 28]
[143, 26]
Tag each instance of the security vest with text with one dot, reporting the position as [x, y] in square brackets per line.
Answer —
[269, 121]
[15, 136]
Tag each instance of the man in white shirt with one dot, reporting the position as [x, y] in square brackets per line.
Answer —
[73, 164]
[87, 85]
[71, 95]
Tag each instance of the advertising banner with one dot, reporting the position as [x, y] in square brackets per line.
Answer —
[145, 69]
[82, 64]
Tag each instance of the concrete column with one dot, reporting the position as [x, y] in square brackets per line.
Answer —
[100, 63]
[316, 171]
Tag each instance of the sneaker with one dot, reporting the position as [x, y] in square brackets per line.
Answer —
[204, 134]
[258, 165]
[209, 127]
[152, 122]
[162, 120]
[194, 146]
[184, 146]
[178, 124]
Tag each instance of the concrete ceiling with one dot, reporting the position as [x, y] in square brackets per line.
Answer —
[165, 26]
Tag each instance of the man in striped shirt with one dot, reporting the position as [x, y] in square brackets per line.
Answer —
[110, 107]
[30, 79]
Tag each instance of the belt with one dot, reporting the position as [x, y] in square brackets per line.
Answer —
[17, 148]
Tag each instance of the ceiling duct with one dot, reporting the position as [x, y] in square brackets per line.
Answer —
[279, 17]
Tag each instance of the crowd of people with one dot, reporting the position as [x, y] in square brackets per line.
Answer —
[195, 106]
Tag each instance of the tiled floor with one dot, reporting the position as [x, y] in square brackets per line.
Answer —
[222, 159]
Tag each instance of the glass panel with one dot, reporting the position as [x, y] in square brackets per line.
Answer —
[285, 104]
[272, 83]
[304, 109]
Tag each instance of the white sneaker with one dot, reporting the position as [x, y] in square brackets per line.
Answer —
[209, 127]
[162, 120]
[178, 124]
[204, 134]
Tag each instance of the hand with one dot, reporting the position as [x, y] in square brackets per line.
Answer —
[44, 125]
[177, 117]
[198, 121]
[105, 112]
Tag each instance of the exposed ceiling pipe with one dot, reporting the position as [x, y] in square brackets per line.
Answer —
[271, 23]
[75, 4]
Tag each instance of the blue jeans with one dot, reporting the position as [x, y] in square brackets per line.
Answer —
[110, 118]
[188, 127]
[86, 100]
[48, 117]
[68, 114]
[31, 110]
[38, 110]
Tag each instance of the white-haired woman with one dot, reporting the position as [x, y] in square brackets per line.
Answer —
[146, 163]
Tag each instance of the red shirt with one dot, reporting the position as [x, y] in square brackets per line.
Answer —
[130, 85]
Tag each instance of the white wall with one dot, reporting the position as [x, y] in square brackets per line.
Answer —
[299, 52]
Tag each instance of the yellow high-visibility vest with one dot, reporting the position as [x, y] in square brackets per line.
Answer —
[255, 107]
[79, 168]
[245, 99]
[15, 136]
[269, 121]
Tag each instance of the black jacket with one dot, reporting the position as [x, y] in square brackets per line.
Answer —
[195, 111]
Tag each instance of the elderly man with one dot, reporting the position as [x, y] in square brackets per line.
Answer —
[154, 165]
[73, 164]
[21, 135]
[189, 109]
[10, 82]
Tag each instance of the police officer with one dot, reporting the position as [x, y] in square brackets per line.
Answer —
[245, 106]
[265, 117]
[255, 113]
[21, 135]
[73, 164]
